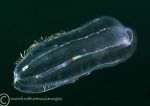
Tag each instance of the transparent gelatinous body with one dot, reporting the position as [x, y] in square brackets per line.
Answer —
[56, 61]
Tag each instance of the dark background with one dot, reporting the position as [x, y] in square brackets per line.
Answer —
[127, 84]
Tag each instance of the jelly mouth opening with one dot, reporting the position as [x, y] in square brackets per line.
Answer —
[128, 37]
[130, 34]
